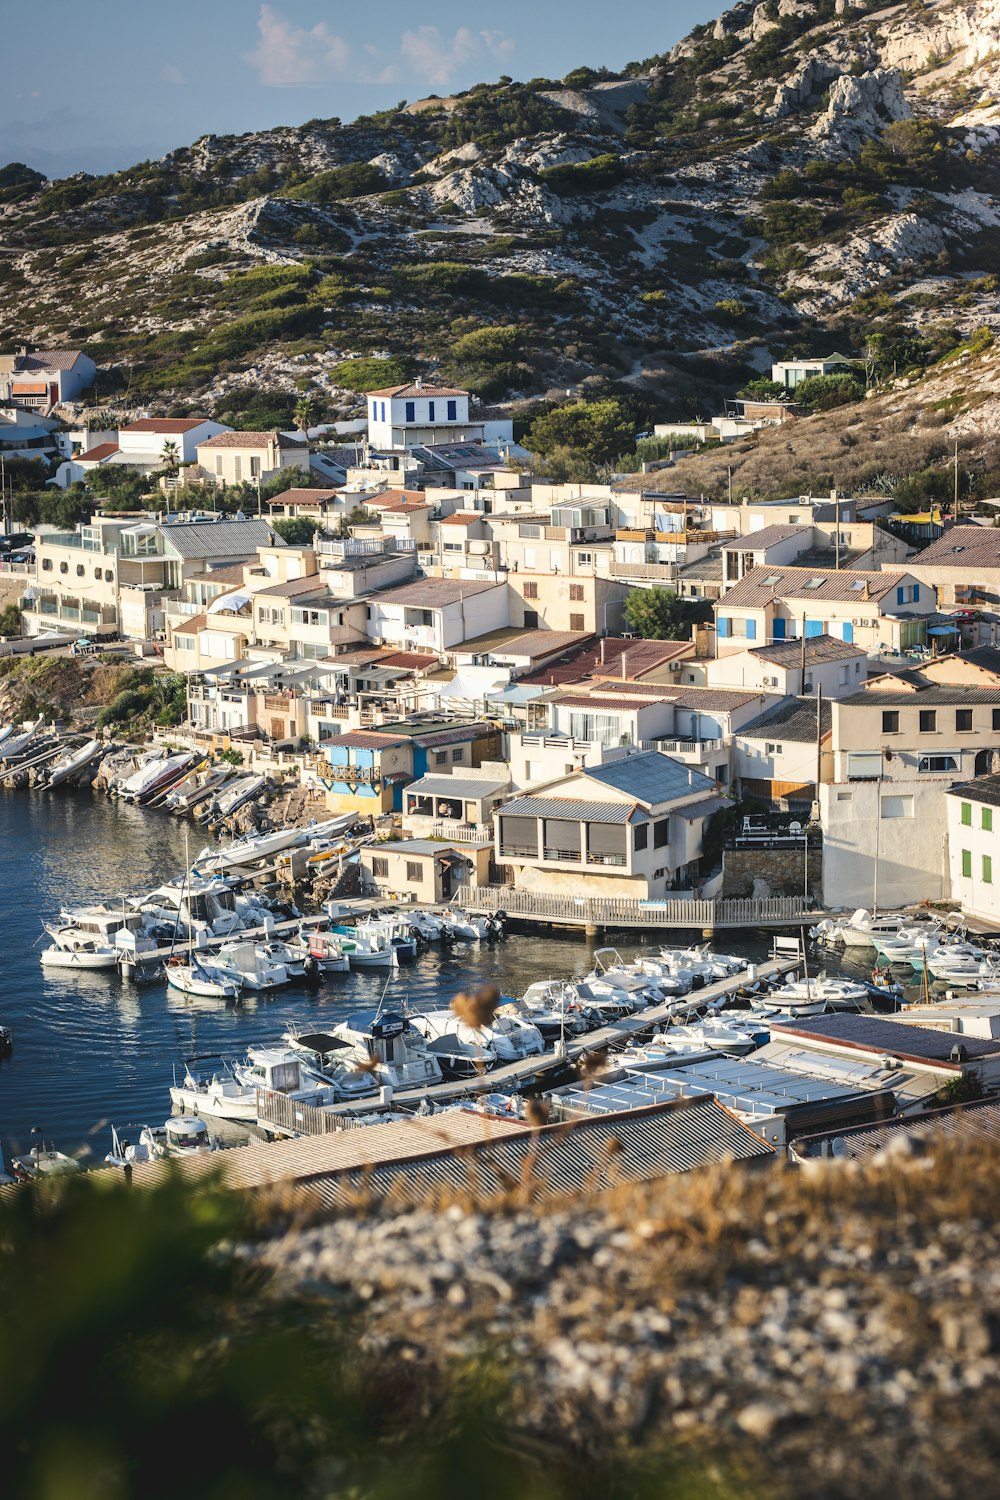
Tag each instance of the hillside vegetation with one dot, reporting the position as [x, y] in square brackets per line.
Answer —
[799, 175]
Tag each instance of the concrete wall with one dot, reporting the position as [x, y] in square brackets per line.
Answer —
[912, 849]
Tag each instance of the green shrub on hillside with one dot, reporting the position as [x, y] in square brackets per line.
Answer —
[365, 375]
[356, 179]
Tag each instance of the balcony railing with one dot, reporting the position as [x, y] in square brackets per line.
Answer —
[563, 856]
[594, 858]
[518, 851]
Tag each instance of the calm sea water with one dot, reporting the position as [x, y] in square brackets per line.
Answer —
[93, 1049]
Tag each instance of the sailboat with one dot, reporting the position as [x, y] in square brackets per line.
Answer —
[196, 977]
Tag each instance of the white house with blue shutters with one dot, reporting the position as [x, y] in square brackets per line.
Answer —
[879, 612]
[418, 415]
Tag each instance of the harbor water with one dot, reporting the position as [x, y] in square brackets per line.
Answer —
[92, 1050]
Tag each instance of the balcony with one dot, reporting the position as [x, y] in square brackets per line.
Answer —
[518, 851]
[666, 572]
[562, 856]
[620, 860]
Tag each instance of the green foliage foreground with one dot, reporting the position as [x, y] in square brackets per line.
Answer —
[140, 1358]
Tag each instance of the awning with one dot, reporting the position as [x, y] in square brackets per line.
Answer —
[944, 630]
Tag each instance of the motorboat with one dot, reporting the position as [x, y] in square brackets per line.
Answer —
[198, 977]
[323, 949]
[462, 1051]
[154, 776]
[15, 744]
[791, 1006]
[76, 760]
[384, 1045]
[469, 927]
[555, 998]
[178, 1137]
[835, 993]
[43, 1162]
[184, 798]
[394, 930]
[717, 1034]
[236, 795]
[214, 1088]
[193, 905]
[253, 965]
[552, 1025]
[250, 850]
[668, 978]
[366, 950]
[72, 950]
[862, 929]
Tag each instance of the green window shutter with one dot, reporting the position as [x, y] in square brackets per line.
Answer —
[987, 870]
[966, 814]
[967, 863]
[988, 819]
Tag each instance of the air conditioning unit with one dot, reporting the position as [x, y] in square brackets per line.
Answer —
[675, 666]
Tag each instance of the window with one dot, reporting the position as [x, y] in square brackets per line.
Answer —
[987, 870]
[987, 820]
[996, 718]
[576, 593]
[661, 833]
[415, 869]
[966, 814]
[440, 757]
[928, 721]
[640, 837]
[864, 765]
[430, 410]
[97, 574]
[380, 869]
[531, 590]
[218, 466]
[963, 720]
[585, 560]
[845, 796]
[64, 567]
[937, 763]
[237, 469]
[576, 622]
[46, 565]
[255, 468]
[967, 863]
[411, 411]
[452, 411]
[80, 570]
[890, 721]
[457, 756]
[897, 807]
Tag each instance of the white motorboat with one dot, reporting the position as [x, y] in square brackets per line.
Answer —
[44, 1161]
[76, 760]
[210, 1088]
[834, 993]
[790, 1006]
[15, 744]
[462, 1051]
[468, 927]
[253, 965]
[717, 1034]
[555, 998]
[251, 850]
[193, 790]
[862, 929]
[366, 951]
[237, 794]
[192, 906]
[180, 1136]
[394, 930]
[86, 938]
[71, 952]
[197, 977]
[381, 1044]
[325, 950]
[153, 776]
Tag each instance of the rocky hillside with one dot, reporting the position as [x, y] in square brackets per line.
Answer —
[797, 174]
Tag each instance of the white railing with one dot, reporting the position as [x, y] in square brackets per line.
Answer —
[462, 833]
[681, 910]
[664, 571]
[684, 747]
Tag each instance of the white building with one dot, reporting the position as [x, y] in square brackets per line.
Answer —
[837, 667]
[792, 372]
[250, 457]
[436, 614]
[885, 843]
[973, 847]
[415, 415]
[145, 446]
[45, 377]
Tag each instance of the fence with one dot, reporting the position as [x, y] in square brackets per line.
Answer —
[629, 911]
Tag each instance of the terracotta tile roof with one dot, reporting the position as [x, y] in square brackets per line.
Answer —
[166, 424]
[819, 648]
[761, 585]
[962, 547]
[392, 497]
[304, 496]
[420, 390]
[640, 657]
[434, 593]
[47, 359]
[96, 455]
[406, 507]
[365, 739]
[252, 440]
[461, 518]
[415, 660]
[587, 700]
[191, 626]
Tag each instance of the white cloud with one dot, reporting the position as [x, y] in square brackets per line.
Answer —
[436, 60]
[288, 55]
[171, 74]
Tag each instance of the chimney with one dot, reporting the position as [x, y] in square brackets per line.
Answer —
[624, 660]
[602, 650]
[865, 594]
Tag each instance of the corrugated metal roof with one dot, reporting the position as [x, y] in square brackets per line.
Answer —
[582, 1156]
[220, 538]
[984, 789]
[455, 786]
[573, 808]
[741, 1083]
[702, 809]
[650, 777]
[973, 1122]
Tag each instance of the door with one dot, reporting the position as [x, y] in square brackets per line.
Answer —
[777, 630]
[277, 729]
[446, 882]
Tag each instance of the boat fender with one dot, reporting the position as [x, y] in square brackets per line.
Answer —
[500, 916]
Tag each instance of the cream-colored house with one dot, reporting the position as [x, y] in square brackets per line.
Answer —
[963, 566]
[887, 610]
[973, 816]
[249, 457]
[426, 870]
[910, 729]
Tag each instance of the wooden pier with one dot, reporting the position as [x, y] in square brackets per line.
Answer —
[596, 914]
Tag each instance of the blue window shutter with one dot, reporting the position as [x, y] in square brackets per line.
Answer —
[430, 409]
[916, 593]
[899, 596]
[411, 411]
[778, 630]
[383, 411]
[751, 630]
[814, 627]
[723, 626]
[848, 631]
[452, 411]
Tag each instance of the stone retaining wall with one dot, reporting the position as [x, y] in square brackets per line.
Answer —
[780, 868]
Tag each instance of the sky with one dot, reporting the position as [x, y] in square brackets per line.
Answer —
[118, 81]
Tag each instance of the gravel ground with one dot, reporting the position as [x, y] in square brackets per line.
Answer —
[836, 1331]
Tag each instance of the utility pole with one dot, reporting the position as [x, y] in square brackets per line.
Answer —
[819, 736]
[956, 479]
[802, 685]
[836, 528]
[730, 484]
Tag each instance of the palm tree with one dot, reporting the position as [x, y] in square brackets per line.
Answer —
[303, 413]
[171, 455]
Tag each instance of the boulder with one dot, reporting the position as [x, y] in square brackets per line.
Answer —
[861, 107]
